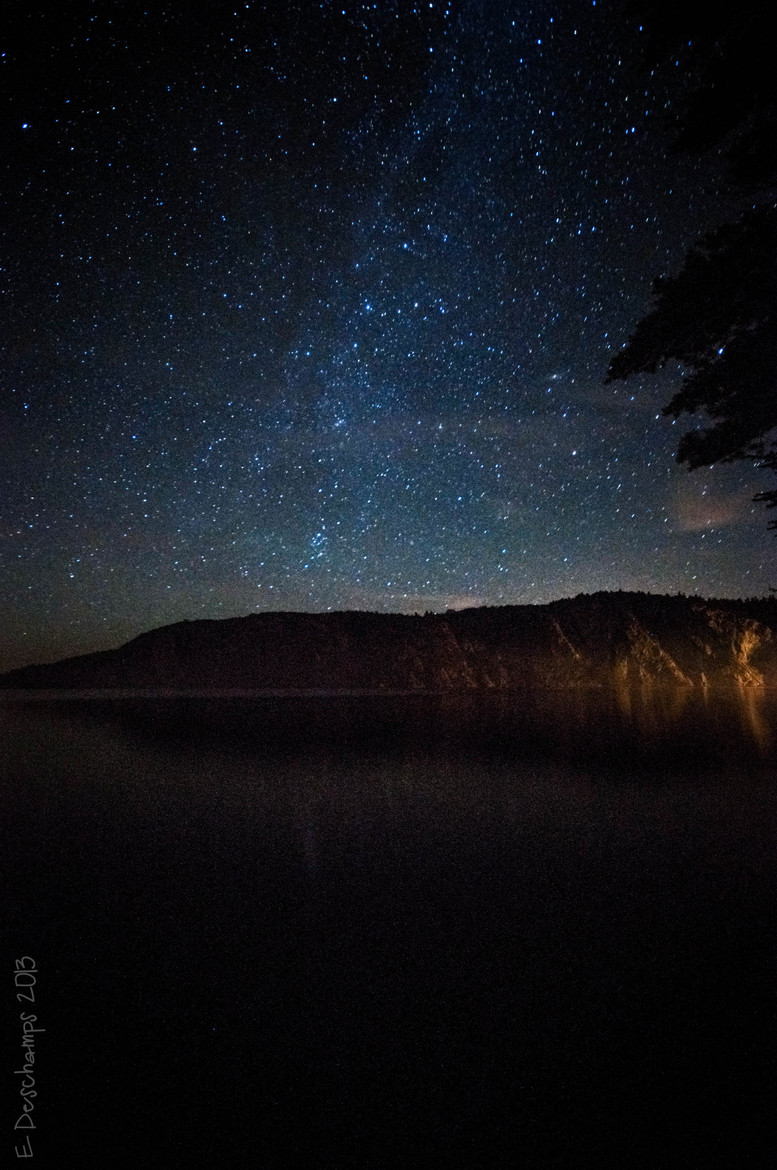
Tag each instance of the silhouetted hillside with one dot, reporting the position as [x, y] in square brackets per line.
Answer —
[587, 641]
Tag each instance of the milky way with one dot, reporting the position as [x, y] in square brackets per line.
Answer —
[309, 306]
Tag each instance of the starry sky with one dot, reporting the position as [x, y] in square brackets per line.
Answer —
[309, 306]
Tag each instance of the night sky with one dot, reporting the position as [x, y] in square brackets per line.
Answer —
[309, 306]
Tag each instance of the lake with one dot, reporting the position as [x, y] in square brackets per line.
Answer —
[387, 931]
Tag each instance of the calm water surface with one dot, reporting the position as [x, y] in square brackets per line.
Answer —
[385, 932]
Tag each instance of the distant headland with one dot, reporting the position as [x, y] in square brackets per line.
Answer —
[588, 641]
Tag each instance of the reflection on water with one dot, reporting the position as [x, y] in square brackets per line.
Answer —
[366, 932]
[638, 724]
[758, 718]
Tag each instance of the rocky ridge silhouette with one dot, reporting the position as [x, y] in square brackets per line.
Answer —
[591, 640]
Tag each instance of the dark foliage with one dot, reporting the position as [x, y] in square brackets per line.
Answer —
[727, 52]
[718, 316]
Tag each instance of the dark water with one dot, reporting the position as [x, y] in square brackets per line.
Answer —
[339, 932]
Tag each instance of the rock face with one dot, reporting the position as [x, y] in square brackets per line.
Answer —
[588, 641]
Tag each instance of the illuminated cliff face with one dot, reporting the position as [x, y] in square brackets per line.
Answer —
[747, 641]
[588, 641]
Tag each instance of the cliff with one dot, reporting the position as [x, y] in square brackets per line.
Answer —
[588, 641]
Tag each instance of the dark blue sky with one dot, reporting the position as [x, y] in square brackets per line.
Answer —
[309, 306]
